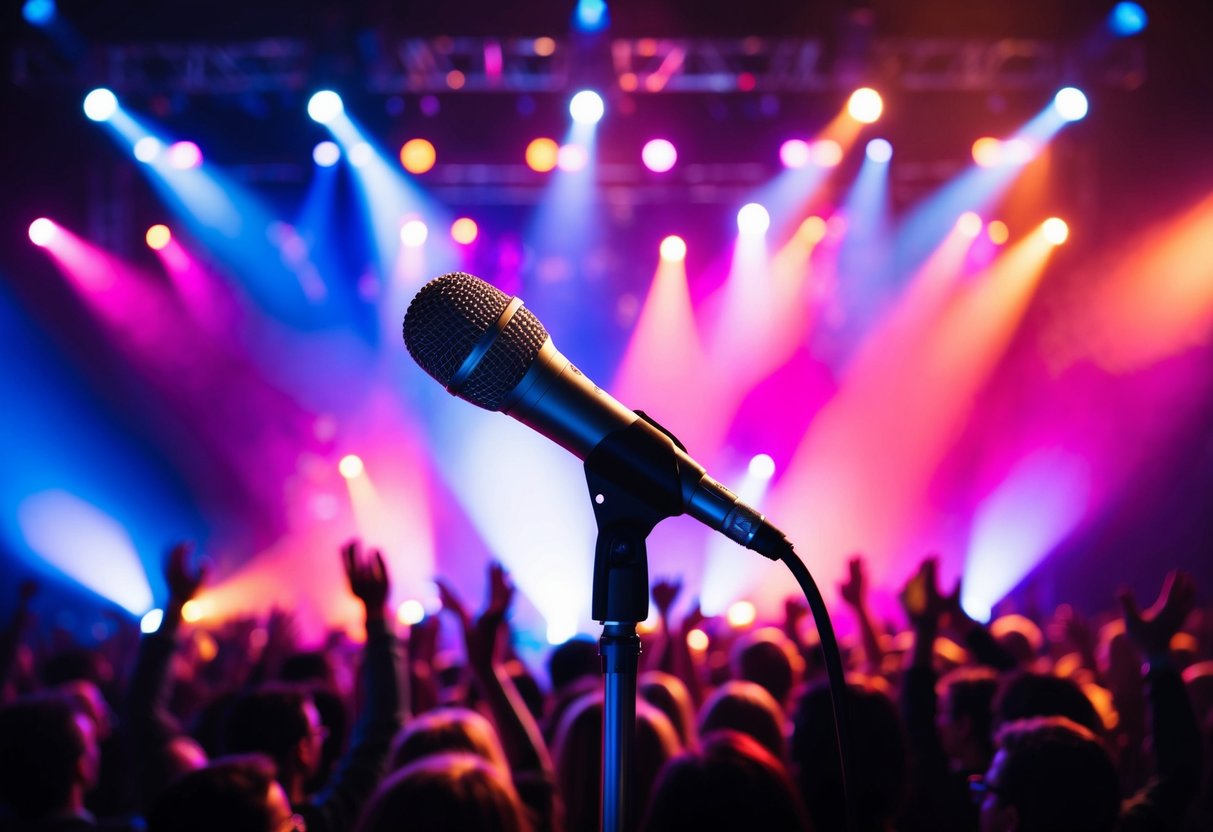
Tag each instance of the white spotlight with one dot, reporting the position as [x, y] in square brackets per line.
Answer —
[587, 107]
[325, 106]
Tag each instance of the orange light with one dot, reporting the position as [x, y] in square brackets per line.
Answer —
[192, 611]
[812, 230]
[455, 79]
[628, 82]
[742, 614]
[865, 105]
[158, 236]
[697, 640]
[541, 155]
[464, 231]
[998, 232]
[543, 47]
[825, 153]
[987, 152]
[1055, 230]
[418, 155]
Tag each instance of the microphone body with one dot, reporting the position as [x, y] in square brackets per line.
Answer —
[556, 399]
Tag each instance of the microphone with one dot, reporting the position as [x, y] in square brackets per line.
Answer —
[487, 348]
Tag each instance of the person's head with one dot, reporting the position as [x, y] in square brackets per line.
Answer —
[447, 730]
[1025, 695]
[235, 794]
[577, 754]
[572, 660]
[668, 694]
[49, 758]
[731, 783]
[768, 658]
[1019, 636]
[965, 717]
[879, 757]
[747, 708]
[445, 793]
[1049, 775]
[283, 723]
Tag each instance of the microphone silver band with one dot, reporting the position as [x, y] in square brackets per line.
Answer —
[482, 346]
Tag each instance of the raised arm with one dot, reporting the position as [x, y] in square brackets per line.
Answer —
[854, 592]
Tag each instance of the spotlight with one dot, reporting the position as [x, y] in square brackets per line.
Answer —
[673, 249]
[586, 107]
[590, 15]
[147, 149]
[351, 466]
[410, 612]
[741, 614]
[1017, 151]
[659, 155]
[987, 152]
[969, 224]
[998, 232]
[572, 158]
[464, 231]
[1055, 230]
[762, 467]
[1125, 19]
[753, 219]
[561, 631]
[544, 47]
[541, 155]
[184, 155]
[794, 153]
[361, 154]
[1070, 103]
[38, 12]
[193, 611]
[42, 231]
[158, 236]
[865, 105]
[880, 151]
[325, 106]
[812, 231]
[100, 104]
[418, 156]
[826, 153]
[150, 622]
[326, 154]
[414, 233]
[698, 640]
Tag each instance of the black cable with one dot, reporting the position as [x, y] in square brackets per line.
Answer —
[837, 679]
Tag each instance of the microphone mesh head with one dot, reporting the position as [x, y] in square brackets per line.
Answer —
[446, 319]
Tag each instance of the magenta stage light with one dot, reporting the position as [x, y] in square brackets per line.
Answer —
[794, 153]
[659, 155]
[42, 231]
[753, 219]
[184, 155]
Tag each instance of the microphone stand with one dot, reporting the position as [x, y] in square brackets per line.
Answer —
[620, 602]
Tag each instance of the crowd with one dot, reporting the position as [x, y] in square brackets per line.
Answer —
[1067, 723]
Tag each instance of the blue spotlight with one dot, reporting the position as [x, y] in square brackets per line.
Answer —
[100, 104]
[38, 12]
[586, 107]
[325, 106]
[1127, 19]
[880, 151]
[1070, 103]
[326, 154]
[590, 16]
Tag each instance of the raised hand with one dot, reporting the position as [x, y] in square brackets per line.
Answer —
[665, 593]
[367, 576]
[921, 598]
[183, 582]
[854, 589]
[1151, 631]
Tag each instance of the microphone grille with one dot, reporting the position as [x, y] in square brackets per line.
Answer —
[446, 319]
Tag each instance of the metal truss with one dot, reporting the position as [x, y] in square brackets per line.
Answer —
[637, 65]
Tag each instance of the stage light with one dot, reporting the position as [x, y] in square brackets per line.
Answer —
[410, 612]
[794, 153]
[158, 236]
[361, 154]
[456, 79]
[590, 15]
[865, 105]
[572, 158]
[879, 151]
[147, 149]
[464, 231]
[151, 621]
[544, 47]
[1055, 230]
[673, 249]
[418, 156]
[100, 104]
[325, 106]
[998, 232]
[541, 155]
[1126, 19]
[38, 12]
[1070, 103]
[42, 231]
[987, 152]
[969, 224]
[1017, 151]
[351, 466]
[812, 230]
[193, 611]
[659, 155]
[753, 219]
[586, 107]
[741, 614]
[414, 233]
[826, 153]
[326, 154]
[698, 640]
[762, 467]
[184, 155]
[561, 631]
